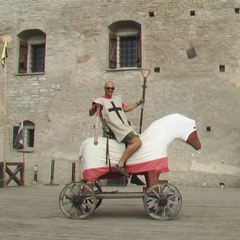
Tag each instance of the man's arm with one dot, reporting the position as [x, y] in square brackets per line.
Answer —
[130, 107]
[93, 109]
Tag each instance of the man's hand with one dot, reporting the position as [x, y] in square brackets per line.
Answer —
[141, 101]
[94, 107]
[98, 105]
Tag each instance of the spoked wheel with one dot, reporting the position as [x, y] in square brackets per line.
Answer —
[97, 189]
[77, 200]
[162, 201]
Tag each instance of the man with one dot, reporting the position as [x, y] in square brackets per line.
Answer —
[114, 118]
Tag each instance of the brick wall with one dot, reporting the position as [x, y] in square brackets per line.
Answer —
[77, 67]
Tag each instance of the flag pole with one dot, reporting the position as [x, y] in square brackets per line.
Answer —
[5, 39]
[23, 154]
[5, 124]
[23, 174]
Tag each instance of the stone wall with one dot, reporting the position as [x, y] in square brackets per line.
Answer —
[77, 68]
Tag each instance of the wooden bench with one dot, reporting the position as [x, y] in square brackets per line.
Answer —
[15, 171]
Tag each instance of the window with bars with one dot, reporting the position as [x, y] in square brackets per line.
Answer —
[128, 51]
[38, 57]
[125, 45]
[31, 51]
[28, 135]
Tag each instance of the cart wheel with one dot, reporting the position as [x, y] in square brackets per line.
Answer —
[97, 189]
[162, 201]
[77, 200]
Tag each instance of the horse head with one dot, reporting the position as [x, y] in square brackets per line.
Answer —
[179, 127]
[188, 130]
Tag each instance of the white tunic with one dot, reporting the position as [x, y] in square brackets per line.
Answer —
[114, 117]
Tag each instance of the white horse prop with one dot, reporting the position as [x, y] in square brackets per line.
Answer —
[151, 159]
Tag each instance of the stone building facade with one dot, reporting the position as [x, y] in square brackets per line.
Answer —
[191, 48]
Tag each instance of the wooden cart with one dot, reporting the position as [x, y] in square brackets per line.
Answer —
[162, 201]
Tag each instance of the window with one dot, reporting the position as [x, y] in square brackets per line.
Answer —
[37, 57]
[151, 14]
[125, 45]
[27, 136]
[31, 51]
[128, 46]
[191, 53]
[221, 68]
[192, 13]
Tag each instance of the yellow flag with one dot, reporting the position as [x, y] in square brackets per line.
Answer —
[4, 54]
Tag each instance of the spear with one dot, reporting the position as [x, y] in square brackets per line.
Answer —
[145, 73]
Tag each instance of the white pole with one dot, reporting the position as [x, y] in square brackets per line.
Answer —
[5, 124]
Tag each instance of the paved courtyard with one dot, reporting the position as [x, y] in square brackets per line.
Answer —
[32, 212]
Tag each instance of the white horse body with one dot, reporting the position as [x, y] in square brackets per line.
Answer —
[152, 155]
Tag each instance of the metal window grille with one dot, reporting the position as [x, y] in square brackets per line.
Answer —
[29, 137]
[38, 58]
[128, 51]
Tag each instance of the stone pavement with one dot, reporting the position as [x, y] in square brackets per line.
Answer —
[32, 212]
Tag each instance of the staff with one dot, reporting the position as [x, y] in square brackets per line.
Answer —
[144, 86]
[96, 127]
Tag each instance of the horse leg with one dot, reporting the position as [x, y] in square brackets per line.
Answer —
[91, 182]
[151, 178]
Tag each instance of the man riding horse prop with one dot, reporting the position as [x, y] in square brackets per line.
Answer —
[129, 153]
